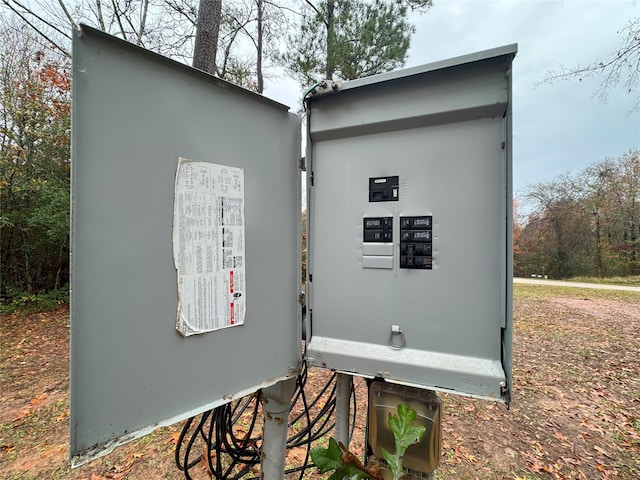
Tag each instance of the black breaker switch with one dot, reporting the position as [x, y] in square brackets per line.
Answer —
[379, 229]
[416, 242]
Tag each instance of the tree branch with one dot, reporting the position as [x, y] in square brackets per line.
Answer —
[243, 27]
[623, 66]
[67, 14]
[315, 9]
[179, 9]
[130, 23]
[33, 14]
[282, 7]
[36, 29]
[116, 12]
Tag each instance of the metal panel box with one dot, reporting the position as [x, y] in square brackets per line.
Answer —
[409, 234]
[135, 114]
[410, 257]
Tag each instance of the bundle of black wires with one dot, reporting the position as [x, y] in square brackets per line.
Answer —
[227, 440]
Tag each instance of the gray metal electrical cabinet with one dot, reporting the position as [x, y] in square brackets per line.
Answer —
[409, 189]
[134, 115]
[410, 257]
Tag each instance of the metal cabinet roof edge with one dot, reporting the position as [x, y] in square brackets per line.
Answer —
[508, 51]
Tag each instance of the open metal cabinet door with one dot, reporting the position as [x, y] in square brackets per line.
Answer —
[135, 114]
[410, 256]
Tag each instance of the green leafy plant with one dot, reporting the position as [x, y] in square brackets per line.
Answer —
[336, 458]
[404, 434]
[25, 302]
[344, 464]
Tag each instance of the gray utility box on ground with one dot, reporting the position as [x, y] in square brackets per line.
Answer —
[184, 298]
[410, 254]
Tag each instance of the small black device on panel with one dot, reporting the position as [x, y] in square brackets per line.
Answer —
[384, 189]
[378, 229]
[416, 242]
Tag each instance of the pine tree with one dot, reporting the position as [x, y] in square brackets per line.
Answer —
[350, 39]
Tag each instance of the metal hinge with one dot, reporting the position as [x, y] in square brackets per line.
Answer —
[303, 164]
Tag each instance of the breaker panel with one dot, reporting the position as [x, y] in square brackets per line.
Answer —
[377, 247]
[415, 238]
[409, 247]
[416, 242]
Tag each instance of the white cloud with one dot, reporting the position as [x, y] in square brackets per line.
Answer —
[558, 127]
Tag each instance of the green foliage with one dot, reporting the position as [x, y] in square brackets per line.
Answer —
[338, 459]
[587, 224]
[405, 434]
[330, 459]
[26, 303]
[350, 39]
[35, 117]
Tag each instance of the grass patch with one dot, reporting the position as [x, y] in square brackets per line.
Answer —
[630, 281]
[526, 291]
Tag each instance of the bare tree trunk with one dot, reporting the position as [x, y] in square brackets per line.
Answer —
[206, 43]
[259, 47]
[143, 22]
[27, 263]
[599, 242]
[331, 39]
[98, 12]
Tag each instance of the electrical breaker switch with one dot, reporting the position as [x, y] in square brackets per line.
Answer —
[416, 242]
[416, 222]
[416, 248]
[420, 236]
[377, 242]
[378, 229]
[423, 262]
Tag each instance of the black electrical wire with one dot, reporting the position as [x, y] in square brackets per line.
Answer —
[186, 465]
[220, 439]
[232, 456]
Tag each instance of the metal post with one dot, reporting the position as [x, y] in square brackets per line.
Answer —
[344, 384]
[276, 400]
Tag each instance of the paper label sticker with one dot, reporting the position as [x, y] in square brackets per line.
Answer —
[208, 246]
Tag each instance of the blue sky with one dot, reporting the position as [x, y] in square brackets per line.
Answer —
[558, 128]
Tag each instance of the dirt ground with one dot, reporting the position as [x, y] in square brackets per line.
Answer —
[575, 412]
